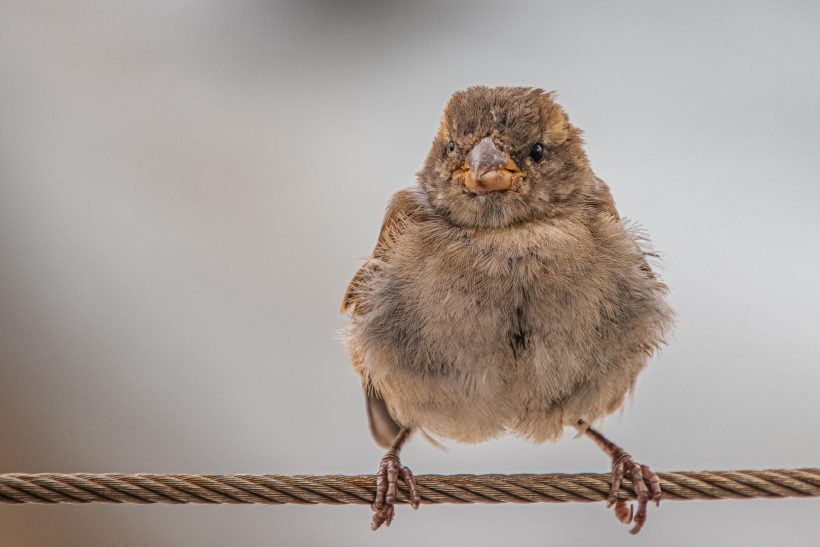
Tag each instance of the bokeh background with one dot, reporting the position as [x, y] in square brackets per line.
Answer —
[186, 188]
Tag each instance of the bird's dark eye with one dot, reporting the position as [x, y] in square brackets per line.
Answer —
[537, 152]
[451, 147]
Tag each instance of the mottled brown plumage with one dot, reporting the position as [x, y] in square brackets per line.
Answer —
[505, 293]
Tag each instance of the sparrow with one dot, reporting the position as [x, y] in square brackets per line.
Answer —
[505, 294]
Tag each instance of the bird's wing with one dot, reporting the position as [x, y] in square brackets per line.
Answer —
[604, 199]
[403, 208]
[606, 203]
[382, 425]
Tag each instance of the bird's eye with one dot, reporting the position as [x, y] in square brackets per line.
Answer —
[451, 147]
[537, 152]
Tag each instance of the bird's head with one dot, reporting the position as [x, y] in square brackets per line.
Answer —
[503, 156]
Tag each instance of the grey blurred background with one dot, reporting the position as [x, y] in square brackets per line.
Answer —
[186, 188]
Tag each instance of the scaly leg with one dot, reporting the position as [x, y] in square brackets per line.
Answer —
[641, 475]
[387, 477]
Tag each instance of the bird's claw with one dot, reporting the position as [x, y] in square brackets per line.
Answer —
[646, 483]
[387, 478]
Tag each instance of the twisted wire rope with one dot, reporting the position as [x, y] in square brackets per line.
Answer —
[49, 488]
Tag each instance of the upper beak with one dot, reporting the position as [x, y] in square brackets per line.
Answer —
[488, 169]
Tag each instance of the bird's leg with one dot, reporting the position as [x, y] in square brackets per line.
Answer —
[645, 481]
[387, 478]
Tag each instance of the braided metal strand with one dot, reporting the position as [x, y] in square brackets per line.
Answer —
[18, 488]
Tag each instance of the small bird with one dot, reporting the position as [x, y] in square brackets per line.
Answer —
[504, 295]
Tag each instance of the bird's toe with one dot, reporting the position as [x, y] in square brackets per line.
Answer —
[387, 478]
[645, 483]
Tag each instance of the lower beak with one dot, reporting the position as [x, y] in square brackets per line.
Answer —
[487, 169]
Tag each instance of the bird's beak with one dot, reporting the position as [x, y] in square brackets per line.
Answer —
[488, 169]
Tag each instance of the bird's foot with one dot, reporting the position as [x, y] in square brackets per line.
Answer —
[646, 483]
[387, 478]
